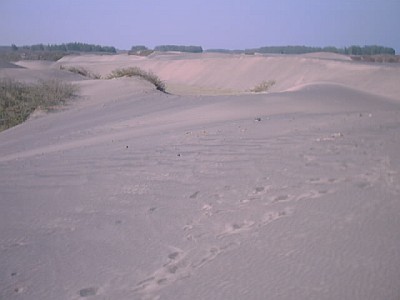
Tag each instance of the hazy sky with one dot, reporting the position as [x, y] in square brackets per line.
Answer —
[232, 24]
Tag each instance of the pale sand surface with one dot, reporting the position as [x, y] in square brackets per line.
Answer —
[130, 193]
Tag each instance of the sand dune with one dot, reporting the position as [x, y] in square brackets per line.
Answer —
[131, 193]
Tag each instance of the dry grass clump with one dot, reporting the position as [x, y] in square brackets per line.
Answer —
[379, 58]
[141, 52]
[263, 86]
[81, 71]
[135, 71]
[18, 100]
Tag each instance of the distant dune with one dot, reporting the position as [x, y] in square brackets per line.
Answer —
[212, 73]
[209, 191]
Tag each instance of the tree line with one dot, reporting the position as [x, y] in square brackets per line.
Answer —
[165, 48]
[67, 47]
[191, 49]
[352, 50]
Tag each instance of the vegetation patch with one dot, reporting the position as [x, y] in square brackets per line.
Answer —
[263, 86]
[81, 71]
[135, 71]
[18, 100]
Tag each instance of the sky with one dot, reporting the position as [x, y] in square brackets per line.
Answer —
[229, 24]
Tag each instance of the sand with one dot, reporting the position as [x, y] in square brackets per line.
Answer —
[211, 192]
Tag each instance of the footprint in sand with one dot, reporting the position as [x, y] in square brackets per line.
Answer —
[281, 198]
[19, 290]
[318, 180]
[86, 292]
[207, 210]
[313, 194]
[176, 268]
[235, 228]
[194, 195]
[362, 184]
[212, 253]
[173, 255]
[275, 215]
[259, 189]
[255, 194]
[179, 266]
[12, 244]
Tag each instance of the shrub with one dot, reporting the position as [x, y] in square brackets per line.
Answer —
[51, 93]
[263, 86]
[18, 100]
[135, 71]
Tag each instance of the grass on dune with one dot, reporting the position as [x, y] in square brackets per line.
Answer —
[18, 100]
[263, 86]
[135, 71]
[81, 71]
